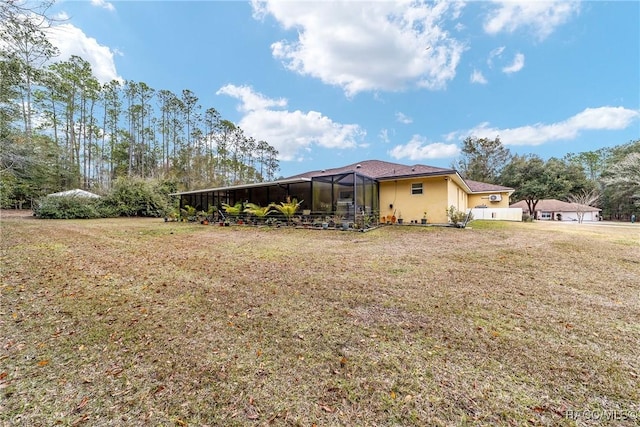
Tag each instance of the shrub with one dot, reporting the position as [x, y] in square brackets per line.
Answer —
[7, 185]
[137, 197]
[129, 197]
[70, 207]
[458, 218]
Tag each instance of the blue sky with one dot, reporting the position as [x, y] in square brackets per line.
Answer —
[332, 83]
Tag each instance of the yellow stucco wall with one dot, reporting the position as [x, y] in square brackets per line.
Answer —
[457, 196]
[483, 199]
[437, 195]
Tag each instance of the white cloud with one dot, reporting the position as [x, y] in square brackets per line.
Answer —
[541, 17]
[251, 100]
[602, 118]
[477, 77]
[402, 118]
[290, 132]
[368, 46]
[419, 149]
[497, 52]
[103, 4]
[71, 40]
[516, 65]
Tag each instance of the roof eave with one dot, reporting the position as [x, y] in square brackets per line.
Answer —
[497, 190]
[416, 175]
[243, 186]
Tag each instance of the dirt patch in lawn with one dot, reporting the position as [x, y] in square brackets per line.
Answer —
[137, 321]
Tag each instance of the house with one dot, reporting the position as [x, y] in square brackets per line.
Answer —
[382, 190]
[75, 193]
[557, 210]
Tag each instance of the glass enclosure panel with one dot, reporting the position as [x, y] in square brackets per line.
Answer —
[260, 196]
[277, 193]
[301, 192]
[322, 200]
[375, 199]
[343, 196]
[360, 194]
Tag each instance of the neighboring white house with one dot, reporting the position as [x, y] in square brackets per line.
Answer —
[557, 210]
[74, 193]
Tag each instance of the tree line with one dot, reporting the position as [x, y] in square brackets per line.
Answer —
[608, 178]
[60, 128]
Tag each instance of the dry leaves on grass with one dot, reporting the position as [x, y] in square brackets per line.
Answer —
[407, 326]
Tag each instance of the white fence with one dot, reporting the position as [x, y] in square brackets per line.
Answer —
[497, 214]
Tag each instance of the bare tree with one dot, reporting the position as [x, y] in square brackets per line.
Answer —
[582, 201]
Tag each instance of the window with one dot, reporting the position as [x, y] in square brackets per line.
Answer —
[546, 215]
[416, 188]
[345, 195]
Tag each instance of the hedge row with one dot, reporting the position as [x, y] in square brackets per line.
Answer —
[129, 197]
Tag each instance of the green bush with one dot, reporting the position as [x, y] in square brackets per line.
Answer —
[70, 207]
[7, 186]
[458, 218]
[138, 197]
[129, 197]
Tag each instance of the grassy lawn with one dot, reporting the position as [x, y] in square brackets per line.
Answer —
[140, 322]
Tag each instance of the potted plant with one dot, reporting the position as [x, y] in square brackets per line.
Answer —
[172, 214]
[211, 213]
[203, 218]
[234, 210]
[288, 208]
[258, 211]
[188, 213]
[424, 218]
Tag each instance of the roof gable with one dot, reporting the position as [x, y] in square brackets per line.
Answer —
[483, 187]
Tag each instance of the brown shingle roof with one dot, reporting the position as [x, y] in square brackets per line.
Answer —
[483, 187]
[554, 205]
[378, 169]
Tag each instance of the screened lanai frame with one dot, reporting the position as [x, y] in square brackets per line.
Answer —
[348, 195]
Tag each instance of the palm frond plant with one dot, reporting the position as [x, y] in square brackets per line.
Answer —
[188, 213]
[288, 208]
[234, 210]
[260, 212]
